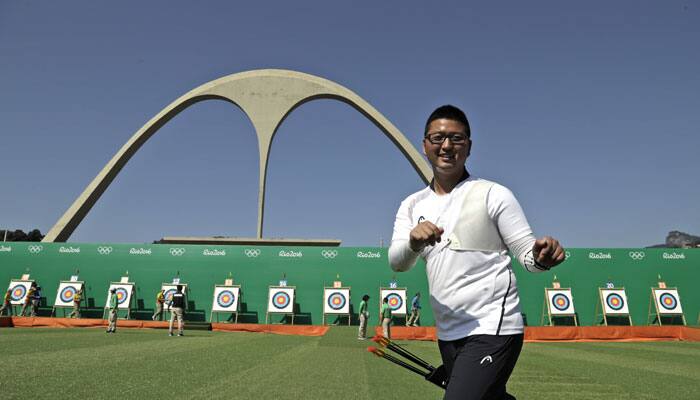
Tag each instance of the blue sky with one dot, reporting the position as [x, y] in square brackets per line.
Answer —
[589, 112]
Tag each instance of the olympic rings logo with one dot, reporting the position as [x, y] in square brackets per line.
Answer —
[104, 250]
[177, 251]
[329, 253]
[35, 248]
[251, 252]
[636, 255]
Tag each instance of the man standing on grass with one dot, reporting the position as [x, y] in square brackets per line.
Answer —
[28, 300]
[364, 317]
[463, 227]
[113, 309]
[77, 298]
[6, 305]
[415, 310]
[160, 299]
[177, 308]
[385, 315]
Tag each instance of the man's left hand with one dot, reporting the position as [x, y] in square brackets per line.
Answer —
[548, 252]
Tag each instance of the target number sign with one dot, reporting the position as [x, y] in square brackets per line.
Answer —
[336, 301]
[123, 293]
[397, 300]
[226, 298]
[66, 291]
[281, 299]
[18, 291]
[668, 301]
[614, 301]
[560, 302]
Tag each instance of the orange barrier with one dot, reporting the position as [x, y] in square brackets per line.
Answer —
[47, 322]
[532, 333]
[611, 333]
[301, 330]
[572, 333]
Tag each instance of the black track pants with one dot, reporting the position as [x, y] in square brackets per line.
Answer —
[479, 366]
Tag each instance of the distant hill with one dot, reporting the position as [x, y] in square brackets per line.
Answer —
[676, 239]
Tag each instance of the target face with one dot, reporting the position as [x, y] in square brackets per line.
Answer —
[168, 294]
[395, 302]
[122, 295]
[337, 301]
[67, 294]
[17, 293]
[560, 302]
[281, 300]
[668, 301]
[225, 298]
[615, 302]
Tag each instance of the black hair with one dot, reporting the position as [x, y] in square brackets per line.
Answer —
[365, 297]
[179, 288]
[386, 299]
[451, 112]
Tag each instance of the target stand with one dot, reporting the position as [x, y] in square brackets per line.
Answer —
[397, 301]
[18, 292]
[558, 303]
[125, 298]
[280, 301]
[613, 303]
[336, 302]
[666, 302]
[227, 299]
[64, 296]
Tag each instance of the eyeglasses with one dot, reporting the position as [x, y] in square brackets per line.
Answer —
[440, 137]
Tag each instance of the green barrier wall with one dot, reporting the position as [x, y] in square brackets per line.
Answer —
[310, 268]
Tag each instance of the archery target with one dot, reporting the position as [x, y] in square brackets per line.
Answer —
[336, 301]
[18, 291]
[226, 298]
[397, 300]
[281, 300]
[169, 290]
[614, 301]
[66, 291]
[560, 302]
[668, 301]
[123, 293]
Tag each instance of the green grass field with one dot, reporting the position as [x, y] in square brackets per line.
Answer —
[138, 364]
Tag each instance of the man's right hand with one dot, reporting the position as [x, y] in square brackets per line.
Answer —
[424, 234]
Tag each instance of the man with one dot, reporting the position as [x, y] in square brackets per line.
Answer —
[77, 298]
[113, 310]
[364, 317]
[28, 298]
[176, 307]
[6, 305]
[385, 315]
[160, 299]
[464, 227]
[36, 299]
[415, 310]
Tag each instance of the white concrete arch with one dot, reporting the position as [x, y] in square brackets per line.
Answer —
[266, 96]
